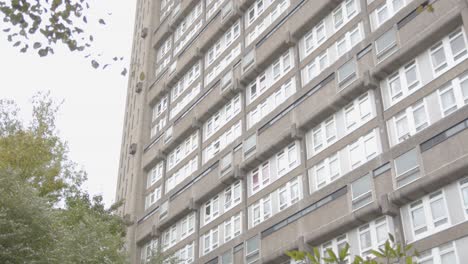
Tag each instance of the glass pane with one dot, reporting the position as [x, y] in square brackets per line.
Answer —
[438, 209]
[447, 98]
[464, 87]
[418, 217]
[448, 258]
[365, 239]
[320, 175]
[386, 41]
[457, 45]
[465, 195]
[438, 58]
[252, 245]
[406, 162]
[420, 118]
[395, 87]
[361, 186]
[402, 127]
[382, 233]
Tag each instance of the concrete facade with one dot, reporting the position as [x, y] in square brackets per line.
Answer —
[261, 126]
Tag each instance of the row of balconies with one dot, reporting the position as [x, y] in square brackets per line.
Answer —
[328, 212]
[442, 164]
[435, 160]
[326, 94]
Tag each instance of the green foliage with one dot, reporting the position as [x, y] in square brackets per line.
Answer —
[45, 217]
[36, 152]
[41, 25]
[391, 252]
[26, 222]
[158, 257]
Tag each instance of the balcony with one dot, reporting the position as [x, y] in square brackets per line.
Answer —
[152, 152]
[218, 25]
[182, 63]
[145, 228]
[180, 204]
[431, 26]
[163, 32]
[327, 222]
[217, 96]
[286, 32]
[182, 10]
[207, 184]
[156, 91]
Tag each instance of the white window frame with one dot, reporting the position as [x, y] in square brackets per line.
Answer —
[424, 204]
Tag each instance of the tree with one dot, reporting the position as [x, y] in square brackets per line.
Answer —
[159, 257]
[390, 253]
[42, 25]
[45, 216]
[26, 222]
[36, 152]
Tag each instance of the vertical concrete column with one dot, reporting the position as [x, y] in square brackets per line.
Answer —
[196, 246]
[464, 13]
[365, 17]
[379, 107]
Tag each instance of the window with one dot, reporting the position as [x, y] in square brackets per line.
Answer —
[183, 173]
[361, 191]
[271, 103]
[336, 245]
[387, 10]
[439, 61]
[363, 149]
[448, 52]
[444, 254]
[232, 53]
[260, 177]
[428, 215]
[211, 209]
[178, 231]
[232, 195]
[159, 108]
[222, 142]
[404, 82]
[276, 201]
[288, 194]
[185, 255]
[386, 44]
[356, 113]
[184, 83]
[267, 20]
[270, 76]
[227, 258]
[447, 100]
[346, 72]
[373, 235]
[211, 240]
[155, 174]
[406, 168]
[222, 44]
[232, 227]
[222, 117]
[409, 121]
[286, 160]
[464, 194]
[148, 250]
[261, 210]
[326, 171]
[252, 250]
[182, 151]
[153, 197]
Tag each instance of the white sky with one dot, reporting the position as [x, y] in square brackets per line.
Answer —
[91, 118]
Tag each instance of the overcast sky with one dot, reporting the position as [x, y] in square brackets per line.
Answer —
[91, 117]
